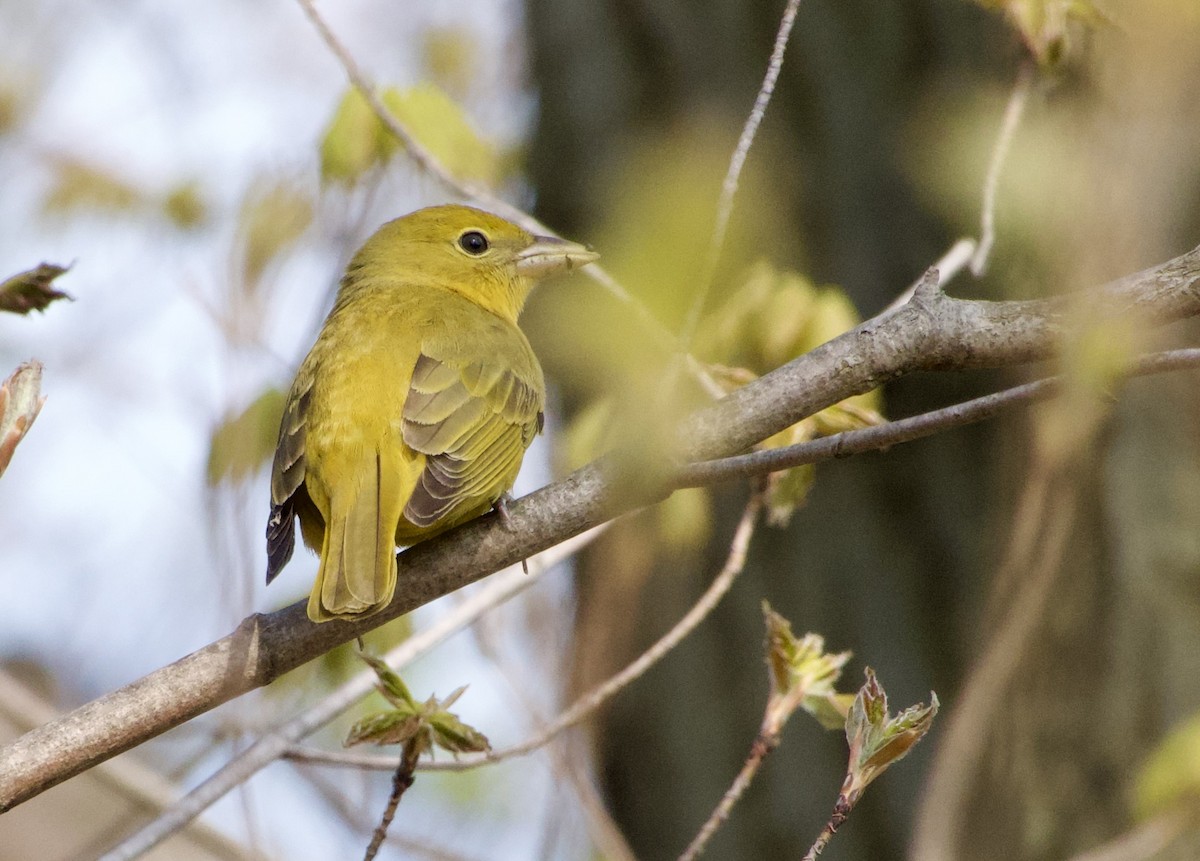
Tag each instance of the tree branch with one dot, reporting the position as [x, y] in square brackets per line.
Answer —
[931, 332]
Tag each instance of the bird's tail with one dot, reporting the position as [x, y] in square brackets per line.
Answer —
[357, 576]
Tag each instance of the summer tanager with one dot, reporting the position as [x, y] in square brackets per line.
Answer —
[413, 410]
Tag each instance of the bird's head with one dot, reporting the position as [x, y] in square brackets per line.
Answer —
[487, 259]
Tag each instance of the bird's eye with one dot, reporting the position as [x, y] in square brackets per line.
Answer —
[473, 242]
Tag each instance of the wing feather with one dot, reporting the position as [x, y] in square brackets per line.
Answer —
[473, 419]
[288, 494]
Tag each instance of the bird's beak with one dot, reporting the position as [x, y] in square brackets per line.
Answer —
[549, 255]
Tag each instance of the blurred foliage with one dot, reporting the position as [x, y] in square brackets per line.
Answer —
[1046, 26]
[184, 205]
[80, 186]
[356, 141]
[655, 235]
[243, 443]
[770, 319]
[1170, 776]
[32, 290]
[12, 103]
[448, 55]
[1097, 353]
[773, 317]
[274, 215]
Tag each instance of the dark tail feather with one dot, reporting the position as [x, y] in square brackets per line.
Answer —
[281, 538]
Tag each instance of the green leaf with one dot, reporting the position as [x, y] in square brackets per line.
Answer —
[243, 443]
[1045, 25]
[31, 290]
[787, 491]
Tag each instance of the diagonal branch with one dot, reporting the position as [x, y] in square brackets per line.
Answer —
[931, 332]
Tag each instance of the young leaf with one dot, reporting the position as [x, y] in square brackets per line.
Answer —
[31, 290]
[877, 740]
[382, 728]
[801, 666]
[391, 685]
[419, 726]
[20, 402]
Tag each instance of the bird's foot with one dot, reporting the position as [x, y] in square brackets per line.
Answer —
[500, 506]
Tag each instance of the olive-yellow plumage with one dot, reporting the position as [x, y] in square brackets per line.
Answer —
[415, 406]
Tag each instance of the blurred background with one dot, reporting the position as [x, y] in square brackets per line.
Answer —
[207, 176]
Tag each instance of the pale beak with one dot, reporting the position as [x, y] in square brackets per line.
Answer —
[549, 255]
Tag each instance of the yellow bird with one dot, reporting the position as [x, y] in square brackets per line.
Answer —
[415, 406]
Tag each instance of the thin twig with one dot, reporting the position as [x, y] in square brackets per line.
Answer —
[356, 818]
[274, 744]
[1008, 130]
[737, 161]
[841, 810]
[885, 435]
[401, 781]
[602, 693]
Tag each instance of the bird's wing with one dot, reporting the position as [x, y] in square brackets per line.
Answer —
[472, 417]
[287, 477]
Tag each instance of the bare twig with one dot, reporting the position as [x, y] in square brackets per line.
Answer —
[274, 744]
[887, 434]
[587, 704]
[798, 668]
[737, 161]
[401, 781]
[991, 185]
